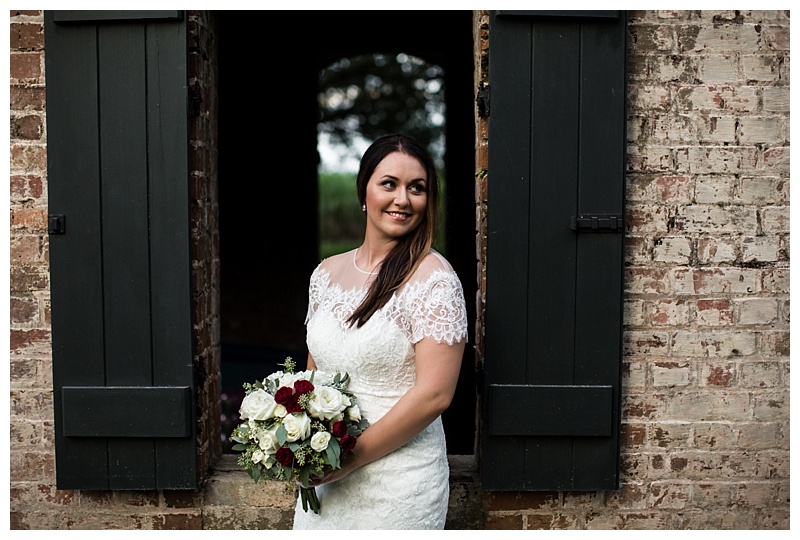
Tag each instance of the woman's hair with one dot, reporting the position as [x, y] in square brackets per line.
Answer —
[407, 254]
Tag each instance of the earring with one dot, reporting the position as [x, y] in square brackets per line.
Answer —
[364, 207]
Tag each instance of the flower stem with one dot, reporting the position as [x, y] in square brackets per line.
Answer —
[308, 496]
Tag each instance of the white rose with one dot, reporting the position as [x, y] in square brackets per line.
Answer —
[298, 426]
[288, 379]
[354, 413]
[258, 405]
[319, 441]
[258, 456]
[327, 402]
[280, 411]
[268, 441]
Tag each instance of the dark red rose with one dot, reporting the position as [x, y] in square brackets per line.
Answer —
[347, 443]
[284, 456]
[303, 386]
[339, 429]
[283, 395]
[293, 404]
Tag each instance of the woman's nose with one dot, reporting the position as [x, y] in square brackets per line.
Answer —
[401, 199]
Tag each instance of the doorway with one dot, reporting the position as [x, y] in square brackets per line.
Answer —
[269, 66]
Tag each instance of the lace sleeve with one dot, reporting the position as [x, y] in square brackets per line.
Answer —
[437, 309]
[315, 287]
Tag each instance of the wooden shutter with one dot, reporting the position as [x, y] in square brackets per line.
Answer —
[119, 249]
[551, 406]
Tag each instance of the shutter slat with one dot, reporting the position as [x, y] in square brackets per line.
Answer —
[584, 411]
[134, 411]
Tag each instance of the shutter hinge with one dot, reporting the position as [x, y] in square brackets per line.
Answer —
[482, 99]
[597, 223]
[56, 223]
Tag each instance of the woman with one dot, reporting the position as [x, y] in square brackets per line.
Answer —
[391, 313]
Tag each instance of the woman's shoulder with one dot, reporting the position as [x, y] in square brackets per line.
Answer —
[335, 262]
[434, 261]
[434, 267]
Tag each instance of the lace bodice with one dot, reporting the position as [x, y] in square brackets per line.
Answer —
[409, 487]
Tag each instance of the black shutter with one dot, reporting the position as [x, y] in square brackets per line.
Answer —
[554, 264]
[117, 148]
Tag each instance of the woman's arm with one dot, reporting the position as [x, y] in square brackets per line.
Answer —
[437, 369]
[310, 364]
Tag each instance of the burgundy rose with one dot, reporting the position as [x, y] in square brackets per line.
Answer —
[339, 429]
[347, 443]
[293, 405]
[303, 386]
[283, 395]
[284, 456]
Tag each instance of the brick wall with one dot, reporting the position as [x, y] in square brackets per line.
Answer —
[706, 340]
[706, 359]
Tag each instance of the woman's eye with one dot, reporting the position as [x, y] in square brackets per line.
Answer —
[417, 188]
[387, 184]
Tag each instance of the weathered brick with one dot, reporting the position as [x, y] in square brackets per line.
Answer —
[761, 129]
[760, 190]
[760, 435]
[713, 435]
[718, 68]
[711, 495]
[714, 312]
[676, 250]
[702, 405]
[775, 219]
[757, 311]
[717, 344]
[671, 374]
[717, 374]
[671, 312]
[771, 407]
[776, 99]
[715, 129]
[25, 66]
[774, 344]
[716, 250]
[646, 280]
[715, 189]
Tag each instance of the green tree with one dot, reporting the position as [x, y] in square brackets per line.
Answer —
[373, 95]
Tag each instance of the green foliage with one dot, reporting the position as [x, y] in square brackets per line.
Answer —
[341, 221]
[376, 94]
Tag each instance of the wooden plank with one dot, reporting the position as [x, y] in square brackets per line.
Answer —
[127, 411]
[75, 257]
[554, 151]
[507, 231]
[600, 257]
[550, 410]
[73, 16]
[554, 162]
[175, 459]
[126, 256]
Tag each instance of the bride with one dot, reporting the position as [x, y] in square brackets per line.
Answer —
[391, 313]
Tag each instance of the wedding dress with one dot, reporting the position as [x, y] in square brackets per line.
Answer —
[408, 488]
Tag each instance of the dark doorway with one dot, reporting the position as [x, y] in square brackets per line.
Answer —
[268, 176]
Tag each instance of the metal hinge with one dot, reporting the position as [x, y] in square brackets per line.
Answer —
[482, 99]
[597, 223]
[56, 223]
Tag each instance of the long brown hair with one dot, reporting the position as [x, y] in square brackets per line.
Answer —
[406, 256]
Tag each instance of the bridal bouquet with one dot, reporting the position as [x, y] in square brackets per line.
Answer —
[296, 426]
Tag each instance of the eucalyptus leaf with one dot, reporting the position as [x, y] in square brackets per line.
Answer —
[281, 434]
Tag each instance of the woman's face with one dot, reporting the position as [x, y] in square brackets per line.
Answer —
[397, 196]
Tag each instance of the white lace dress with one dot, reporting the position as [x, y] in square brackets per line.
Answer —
[408, 488]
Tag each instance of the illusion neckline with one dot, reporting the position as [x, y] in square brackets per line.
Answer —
[355, 252]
